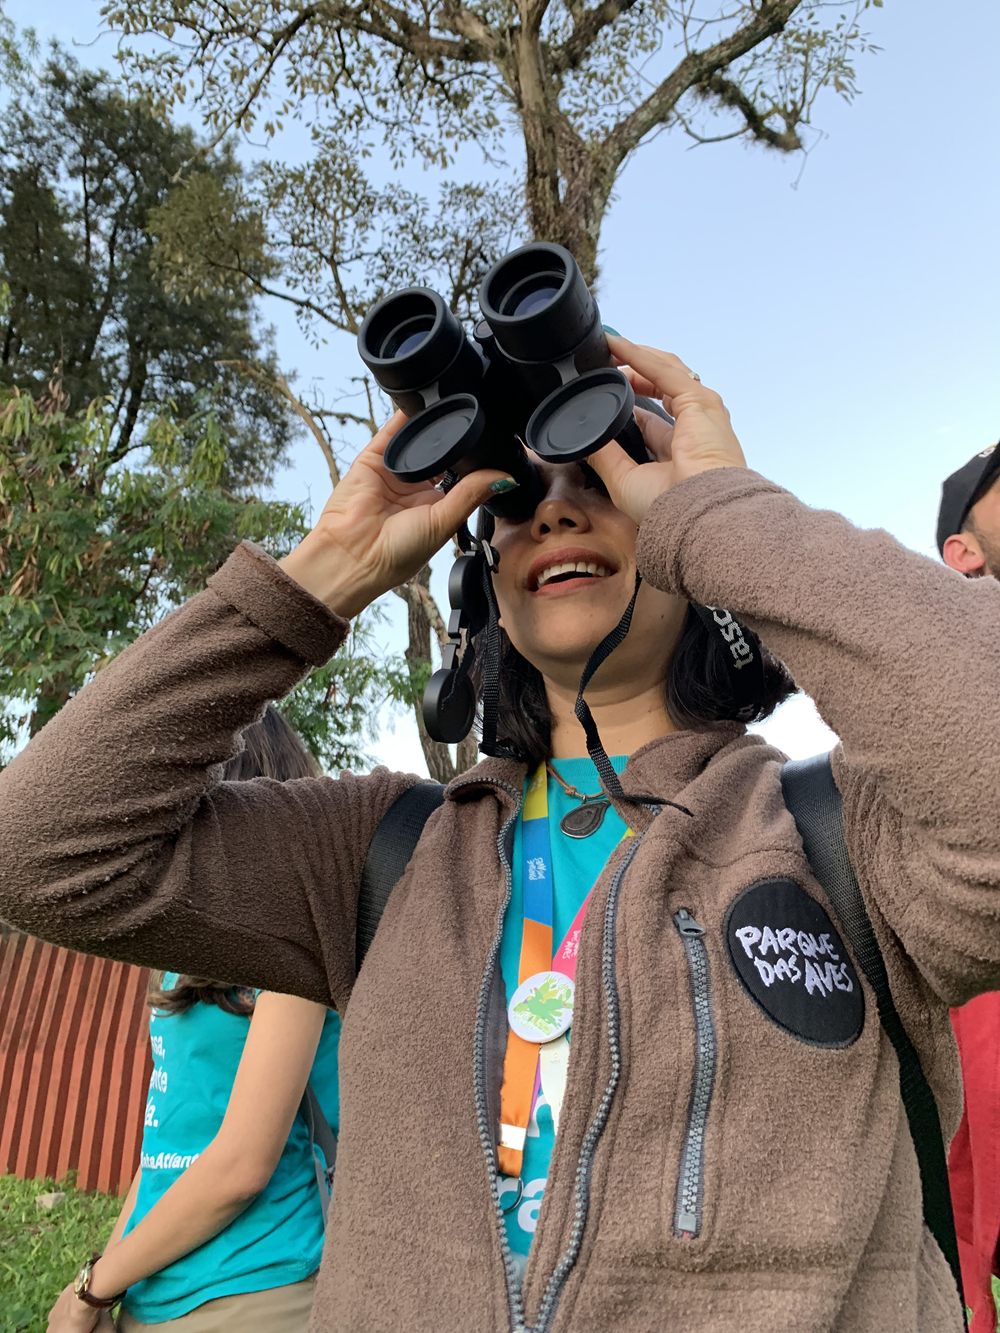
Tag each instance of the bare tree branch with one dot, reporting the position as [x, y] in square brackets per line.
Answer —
[280, 387]
[732, 95]
[769, 20]
[394, 26]
[591, 23]
[455, 17]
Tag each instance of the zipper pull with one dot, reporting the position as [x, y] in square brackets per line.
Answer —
[686, 925]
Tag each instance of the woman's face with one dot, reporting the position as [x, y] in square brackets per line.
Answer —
[566, 576]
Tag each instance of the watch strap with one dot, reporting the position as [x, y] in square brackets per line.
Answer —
[82, 1288]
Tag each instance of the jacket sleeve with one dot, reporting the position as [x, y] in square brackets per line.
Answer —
[901, 656]
[119, 839]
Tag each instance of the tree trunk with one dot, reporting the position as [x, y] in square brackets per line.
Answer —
[136, 388]
[566, 184]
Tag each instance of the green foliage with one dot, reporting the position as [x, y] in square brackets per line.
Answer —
[82, 167]
[93, 551]
[17, 50]
[406, 679]
[41, 1251]
[323, 237]
[336, 708]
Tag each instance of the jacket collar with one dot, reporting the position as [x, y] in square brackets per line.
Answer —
[662, 768]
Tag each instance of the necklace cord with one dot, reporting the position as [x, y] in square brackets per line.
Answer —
[571, 792]
[574, 794]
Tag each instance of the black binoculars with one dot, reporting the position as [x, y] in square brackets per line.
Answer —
[538, 372]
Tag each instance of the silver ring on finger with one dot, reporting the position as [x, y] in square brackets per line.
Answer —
[693, 375]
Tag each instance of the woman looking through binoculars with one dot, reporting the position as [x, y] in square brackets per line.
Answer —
[597, 1073]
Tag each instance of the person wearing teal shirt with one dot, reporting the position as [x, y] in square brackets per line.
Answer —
[576, 864]
[277, 1240]
[222, 1229]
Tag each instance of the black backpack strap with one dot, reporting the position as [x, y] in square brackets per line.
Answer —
[389, 853]
[815, 803]
[321, 1136]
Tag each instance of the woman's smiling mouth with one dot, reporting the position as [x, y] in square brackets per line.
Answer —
[567, 569]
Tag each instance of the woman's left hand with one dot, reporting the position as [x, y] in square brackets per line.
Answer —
[701, 438]
[71, 1315]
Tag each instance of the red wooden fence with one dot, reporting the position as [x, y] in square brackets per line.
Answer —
[74, 1064]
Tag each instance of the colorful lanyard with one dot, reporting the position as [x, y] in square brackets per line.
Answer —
[541, 1009]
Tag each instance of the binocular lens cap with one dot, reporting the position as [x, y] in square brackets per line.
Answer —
[449, 708]
[434, 439]
[580, 416]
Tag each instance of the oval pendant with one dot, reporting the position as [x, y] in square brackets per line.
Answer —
[585, 819]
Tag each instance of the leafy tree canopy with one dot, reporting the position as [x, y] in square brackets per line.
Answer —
[129, 460]
[16, 52]
[82, 167]
[556, 94]
[93, 551]
[581, 85]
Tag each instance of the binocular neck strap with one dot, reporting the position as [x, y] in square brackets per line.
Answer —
[743, 655]
[609, 778]
[491, 673]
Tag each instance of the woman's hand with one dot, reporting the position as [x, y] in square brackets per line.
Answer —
[701, 437]
[71, 1315]
[377, 531]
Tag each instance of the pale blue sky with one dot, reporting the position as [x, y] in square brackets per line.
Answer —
[850, 323]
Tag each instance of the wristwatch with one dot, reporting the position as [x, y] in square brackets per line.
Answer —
[82, 1288]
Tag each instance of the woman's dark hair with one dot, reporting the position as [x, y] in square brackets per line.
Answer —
[699, 689]
[189, 991]
[271, 749]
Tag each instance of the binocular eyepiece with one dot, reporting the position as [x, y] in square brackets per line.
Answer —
[538, 372]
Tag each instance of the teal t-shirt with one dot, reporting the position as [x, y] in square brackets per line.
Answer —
[278, 1239]
[576, 864]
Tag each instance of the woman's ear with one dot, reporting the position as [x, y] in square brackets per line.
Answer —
[963, 552]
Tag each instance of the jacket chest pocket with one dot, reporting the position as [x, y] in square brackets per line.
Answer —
[790, 965]
[691, 1174]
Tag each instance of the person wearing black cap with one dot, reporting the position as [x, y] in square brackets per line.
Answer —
[968, 538]
[968, 530]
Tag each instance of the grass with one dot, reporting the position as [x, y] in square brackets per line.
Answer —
[40, 1252]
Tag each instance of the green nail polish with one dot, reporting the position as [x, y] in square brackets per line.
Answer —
[608, 329]
[502, 486]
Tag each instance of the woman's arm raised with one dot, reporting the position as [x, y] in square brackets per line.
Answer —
[899, 653]
[118, 838]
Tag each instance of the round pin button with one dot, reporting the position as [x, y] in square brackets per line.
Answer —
[541, 1008]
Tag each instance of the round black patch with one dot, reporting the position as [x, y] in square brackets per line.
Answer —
[790, 958]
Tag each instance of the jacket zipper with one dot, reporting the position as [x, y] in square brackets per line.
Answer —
[691, 1178]
[585, 1161]
[480, 1040]
[484, 1118]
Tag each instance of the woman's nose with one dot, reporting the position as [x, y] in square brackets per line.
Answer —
[560, 511]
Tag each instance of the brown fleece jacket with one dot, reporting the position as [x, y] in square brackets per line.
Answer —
[803, 1212]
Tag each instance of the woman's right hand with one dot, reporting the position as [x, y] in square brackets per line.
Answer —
[71, 1315]
[377, 531]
